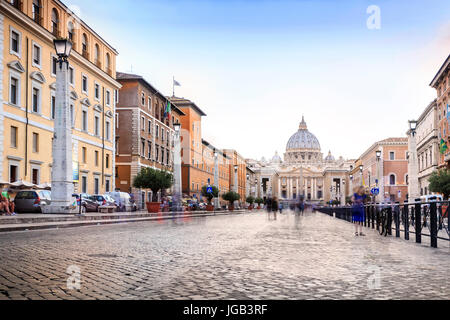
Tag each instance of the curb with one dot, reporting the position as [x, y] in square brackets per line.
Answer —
[71, 224]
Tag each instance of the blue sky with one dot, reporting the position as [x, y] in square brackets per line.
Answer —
[255, 67]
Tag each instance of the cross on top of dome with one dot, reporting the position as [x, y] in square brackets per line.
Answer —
[303, 125]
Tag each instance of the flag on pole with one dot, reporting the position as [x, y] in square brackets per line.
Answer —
[176, 83]
[168, 110]
[443, 146]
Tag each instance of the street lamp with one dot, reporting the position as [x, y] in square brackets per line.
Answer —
[62, 174]
[216, 177]
[236, 167]
[413, 126]
[177, 192]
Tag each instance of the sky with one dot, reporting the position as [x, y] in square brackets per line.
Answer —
[256, 66]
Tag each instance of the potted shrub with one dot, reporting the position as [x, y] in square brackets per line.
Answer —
[250, 200]
[259, 201]
[155, 180]
[231, 197]
[210, 196]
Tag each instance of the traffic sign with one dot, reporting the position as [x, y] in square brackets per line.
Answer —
[375, 191]
[209, 190]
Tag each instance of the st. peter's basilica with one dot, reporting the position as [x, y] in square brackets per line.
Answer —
[304, 173]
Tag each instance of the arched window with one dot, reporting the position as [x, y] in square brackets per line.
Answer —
[392, 179]
[97, 55]
[84, 46]
[108, 63]
[70, 31]
[55, 22]
[37, 11]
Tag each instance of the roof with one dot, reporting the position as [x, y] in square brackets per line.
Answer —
[442, 69]
[182, 102]
[209, 145]
[394, 140]
[130, 77]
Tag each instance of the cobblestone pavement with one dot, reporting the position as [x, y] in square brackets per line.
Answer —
[228, 257]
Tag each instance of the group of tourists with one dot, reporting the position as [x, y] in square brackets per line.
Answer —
[6, 204]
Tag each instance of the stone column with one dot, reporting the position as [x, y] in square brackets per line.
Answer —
[177, 174]
[62, 175]
[413, 170]
[279, 187]
[216, 179]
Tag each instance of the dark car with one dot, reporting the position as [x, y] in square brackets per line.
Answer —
[104, 200]
[32, 201]
[88, 204]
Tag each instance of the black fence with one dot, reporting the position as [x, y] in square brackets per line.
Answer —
[422, 219]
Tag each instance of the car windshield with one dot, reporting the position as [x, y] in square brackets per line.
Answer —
[26, 195]
[97, 198]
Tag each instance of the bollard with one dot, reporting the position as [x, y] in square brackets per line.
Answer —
[406, 220]
[433, 224]
[373, 216]
[389, 221]
[418, 222]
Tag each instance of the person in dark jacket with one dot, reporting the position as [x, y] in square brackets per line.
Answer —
[275, 207]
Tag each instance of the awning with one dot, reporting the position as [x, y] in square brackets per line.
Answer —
[22, 184]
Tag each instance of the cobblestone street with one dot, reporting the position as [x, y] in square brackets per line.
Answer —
[226, 257]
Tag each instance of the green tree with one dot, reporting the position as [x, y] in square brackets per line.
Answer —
[210, 196]
[259, 201]
[440, 182]
[250, 200]
[231, 197]
[156, 180]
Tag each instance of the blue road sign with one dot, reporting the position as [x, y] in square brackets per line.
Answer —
[209, 190]
[375, 191]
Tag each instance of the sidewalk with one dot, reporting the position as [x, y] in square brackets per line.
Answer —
[22, 222]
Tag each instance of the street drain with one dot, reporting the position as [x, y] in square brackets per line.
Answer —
[102, 255]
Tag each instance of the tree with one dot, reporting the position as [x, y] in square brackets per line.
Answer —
[210, 196]
[149, 178]
[250, 200]
[231, 197]
[259, 201]
[440, 182]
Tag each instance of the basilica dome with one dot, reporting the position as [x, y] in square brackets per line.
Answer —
[303, 139]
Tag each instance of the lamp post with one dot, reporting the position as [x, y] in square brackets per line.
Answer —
[413, 170]
[177, 191]
[62, 174]
[235, 186]
[379, 178]
[351, 185]
[361, 173]
[216, 178]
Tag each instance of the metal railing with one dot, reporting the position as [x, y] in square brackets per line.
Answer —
[423, 219]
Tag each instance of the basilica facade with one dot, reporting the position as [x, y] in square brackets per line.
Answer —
[304, 172]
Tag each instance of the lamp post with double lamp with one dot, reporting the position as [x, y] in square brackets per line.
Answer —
[216, 178]
[380, 181]
[235, 186]
[177, 191]
[62, 174]
[413, 171]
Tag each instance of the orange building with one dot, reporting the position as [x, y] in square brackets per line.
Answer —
[237, 159]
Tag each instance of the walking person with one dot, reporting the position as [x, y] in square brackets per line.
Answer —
[280, 207]
[358, 210]
[268, 206]
[275, 207]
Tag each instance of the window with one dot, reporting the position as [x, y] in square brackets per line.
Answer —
[107, 161]
[149, 126]
[36, 55]
[162, 155]
[142, 148]
[96, 158]
[14, 91]
[108, 129]
[97, 55]
[108, 97]
[96, 185]
[142, 123]
[37, 11]
[157, 153]
[84, 184]
[35, 100]
[97, 91]
[96, 125]
[143, 99]
[54, 64]
[55, 23]
[83, 154]
[13, 173]
[107, 185]
[13, 137]
[117, 121]
[392, 155]
[35, 176]
[84, 46]
[149, 149]
[70, 31]
[15, 41]
[35, 142]
[108, 63]
[72, 114]
[84, 84]
[157, 131]
[71, 76]
[53, 106]
[150, 103]
[392, 179]
[84, 121]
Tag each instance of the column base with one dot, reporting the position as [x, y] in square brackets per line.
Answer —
[60, 209]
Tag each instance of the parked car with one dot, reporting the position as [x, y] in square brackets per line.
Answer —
[32, 201]
[104, 200]
[123, 201]
[87, 203]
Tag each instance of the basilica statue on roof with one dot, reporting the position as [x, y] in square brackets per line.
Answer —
[304, 173]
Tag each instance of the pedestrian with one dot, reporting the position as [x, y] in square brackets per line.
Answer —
[281, 208]
[275, 207]
[7, 203]
[358, 209]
